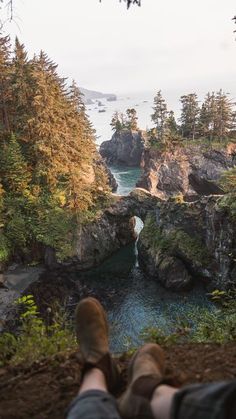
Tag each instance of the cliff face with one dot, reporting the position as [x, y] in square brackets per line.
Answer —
[110, 177]
[183, 242]
[95, 242]
[180, 243]
[190, 170]
[124, 148]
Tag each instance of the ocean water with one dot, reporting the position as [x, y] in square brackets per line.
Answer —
[101, 120]
[126, 178]
[133, 301]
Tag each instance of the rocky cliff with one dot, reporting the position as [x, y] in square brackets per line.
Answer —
[188, 169]
[110, 177]
[181, 242]
[185, 242]
[95, 241]
[124, 148]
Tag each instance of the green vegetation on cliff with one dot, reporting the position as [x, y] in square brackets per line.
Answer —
[41, 338]
[174, 241]
[228, 182]
[49, 176]
[228, 203]
[37, 338]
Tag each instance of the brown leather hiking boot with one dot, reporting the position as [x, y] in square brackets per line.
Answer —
[145, 373]
[92, 335]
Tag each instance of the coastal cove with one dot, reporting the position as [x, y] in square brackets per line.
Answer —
[117, 210]
[133, 300]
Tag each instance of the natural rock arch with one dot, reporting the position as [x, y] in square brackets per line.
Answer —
[138, 203]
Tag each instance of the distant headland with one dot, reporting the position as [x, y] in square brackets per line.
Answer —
[91, 95]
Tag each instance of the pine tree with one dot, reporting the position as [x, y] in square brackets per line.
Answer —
[5, 87]
[131, 120]
[207, 116]
[224, 115]
[80, 141]
[116, 123]
[189, 115]
[48, 172]
[47, 124]
[83, 129]
[159, 116]
[171, 124]
[21, 90]
[14, 172]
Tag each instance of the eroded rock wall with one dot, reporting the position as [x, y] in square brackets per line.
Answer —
[95, 242]
[124, 148]
[191, 170]
[185, 242]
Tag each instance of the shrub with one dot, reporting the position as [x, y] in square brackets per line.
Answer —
[4, 248]
[228, 203]
[228, 180]
[36, 339]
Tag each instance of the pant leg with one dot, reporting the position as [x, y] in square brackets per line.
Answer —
[94, 404]
[205, 401]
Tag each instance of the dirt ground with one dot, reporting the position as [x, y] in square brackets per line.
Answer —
[45, 389]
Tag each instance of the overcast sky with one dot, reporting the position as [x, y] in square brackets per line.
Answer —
[179, 45]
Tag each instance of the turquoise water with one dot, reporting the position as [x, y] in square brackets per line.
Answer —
[132, 300]
[101, 120]
[126, 178]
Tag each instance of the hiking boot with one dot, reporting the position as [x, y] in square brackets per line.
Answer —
[92, 334]
[145, 373]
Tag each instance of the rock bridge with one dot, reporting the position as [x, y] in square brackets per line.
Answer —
[138, 203]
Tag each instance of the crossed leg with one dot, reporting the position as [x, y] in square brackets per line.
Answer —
[146, 397]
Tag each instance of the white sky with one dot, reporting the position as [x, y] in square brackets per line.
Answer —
[174, 45]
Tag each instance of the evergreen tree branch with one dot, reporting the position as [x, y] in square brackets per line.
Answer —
[130, 2]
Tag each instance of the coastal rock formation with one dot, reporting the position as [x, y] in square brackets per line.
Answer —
[138, 203]
[124, 148]
[102, 169]
[95, 242]
[113, 229]
[190, 170]
[90, 96]
[183, 242]
[111, 179]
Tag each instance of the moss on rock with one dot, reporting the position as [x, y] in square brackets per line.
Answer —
[174, 242]
[228, 203]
